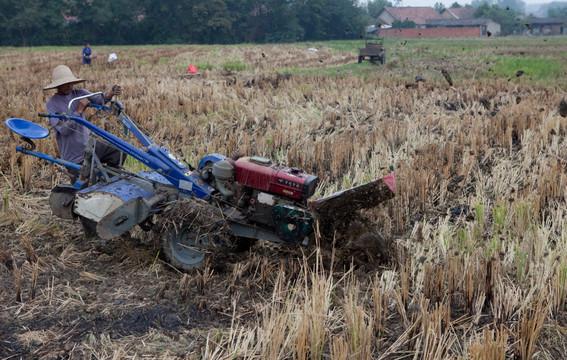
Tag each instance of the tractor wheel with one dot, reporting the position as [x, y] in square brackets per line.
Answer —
[383, 59]
[186, 248]
[360, 58]
[61, 201]
[193, 232]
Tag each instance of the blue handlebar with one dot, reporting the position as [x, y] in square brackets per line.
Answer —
[155, 157]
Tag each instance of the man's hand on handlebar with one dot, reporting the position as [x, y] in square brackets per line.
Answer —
[83, 104]
[116, 90]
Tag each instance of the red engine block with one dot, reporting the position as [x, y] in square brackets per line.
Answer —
[259, 173]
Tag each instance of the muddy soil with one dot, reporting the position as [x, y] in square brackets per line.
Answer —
[63, 291]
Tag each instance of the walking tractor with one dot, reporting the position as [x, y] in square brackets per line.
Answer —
[224, 202]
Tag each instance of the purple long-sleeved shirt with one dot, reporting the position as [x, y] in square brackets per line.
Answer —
[71, 136]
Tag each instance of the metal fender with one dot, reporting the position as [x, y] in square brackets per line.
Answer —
[210, 158]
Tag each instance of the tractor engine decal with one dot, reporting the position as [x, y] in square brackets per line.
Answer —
[261, 174]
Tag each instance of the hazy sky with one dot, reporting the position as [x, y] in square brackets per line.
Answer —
[448, 3]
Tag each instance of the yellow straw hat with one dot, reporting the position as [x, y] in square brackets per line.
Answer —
[62, 75]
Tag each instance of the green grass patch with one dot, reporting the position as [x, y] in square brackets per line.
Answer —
[233, 65]
[536, 68]
[142, 62]
[365, 69]
[204, 66]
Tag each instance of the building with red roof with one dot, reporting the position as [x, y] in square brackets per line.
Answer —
[419, 15]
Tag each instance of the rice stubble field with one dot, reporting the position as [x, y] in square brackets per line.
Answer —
[474, 131]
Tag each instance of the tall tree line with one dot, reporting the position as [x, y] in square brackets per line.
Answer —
[120, 22]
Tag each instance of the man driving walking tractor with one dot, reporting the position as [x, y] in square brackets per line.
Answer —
[71, 136]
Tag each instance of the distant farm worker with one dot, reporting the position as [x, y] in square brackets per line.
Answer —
[71, 136]
[87, 52]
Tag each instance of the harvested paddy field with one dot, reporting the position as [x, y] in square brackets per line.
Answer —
[474, 131]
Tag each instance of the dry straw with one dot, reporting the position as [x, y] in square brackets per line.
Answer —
[477, 222]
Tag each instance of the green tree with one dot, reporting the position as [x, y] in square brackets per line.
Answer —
[373, 7]
[104, 21]
[241, 12]
[126, 21]
[439, 7]
[168, 21]
[405, 24]
[311, 19]
[557, 11]
[478, 3]
[343, 19]
[518, 6]
[279, 21]
[455, 5]
[506, 18]
[30, 22]
[74, 22]
[212, 22]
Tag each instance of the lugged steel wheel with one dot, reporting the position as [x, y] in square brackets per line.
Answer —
[192, 231]
[186, 248]
[61, 201]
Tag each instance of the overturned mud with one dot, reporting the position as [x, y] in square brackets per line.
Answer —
[62, 294]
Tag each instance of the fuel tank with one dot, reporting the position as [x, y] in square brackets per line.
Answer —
[259, 173]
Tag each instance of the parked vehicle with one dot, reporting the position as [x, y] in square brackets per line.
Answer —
[373, 50]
